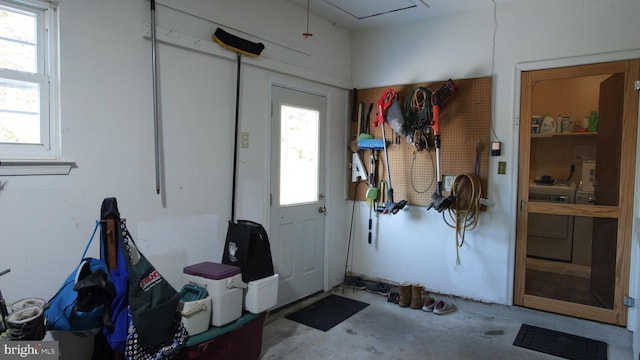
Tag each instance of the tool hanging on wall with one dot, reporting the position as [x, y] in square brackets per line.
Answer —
[239, 46]
[438, 98]
[372, 191]
[357, 168]
[364, 134]
[388, 106]
[465, 209]
[354, 105]
[418, 115]
[368, 143]
[154, 76]
[307, 34]
[356, 136]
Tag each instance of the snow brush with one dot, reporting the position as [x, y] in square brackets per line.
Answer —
[237, 44]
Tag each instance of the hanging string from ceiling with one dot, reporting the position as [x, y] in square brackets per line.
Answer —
[307, 34]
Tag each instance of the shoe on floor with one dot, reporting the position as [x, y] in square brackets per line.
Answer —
[378, 288]
[417, 296]
[404, 300]
[393, 297]
[355, 282]
[429, 304]
[442, 308]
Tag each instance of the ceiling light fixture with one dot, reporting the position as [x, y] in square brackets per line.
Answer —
[307, 34]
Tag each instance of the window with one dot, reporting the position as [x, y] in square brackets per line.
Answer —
[28, 80]
[299, 147]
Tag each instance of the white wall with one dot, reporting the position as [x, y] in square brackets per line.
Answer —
[107, 129]
[460, 46]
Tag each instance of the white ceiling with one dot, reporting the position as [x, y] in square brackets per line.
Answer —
[358, 14]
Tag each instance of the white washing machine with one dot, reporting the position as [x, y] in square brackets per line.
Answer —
[550, 236]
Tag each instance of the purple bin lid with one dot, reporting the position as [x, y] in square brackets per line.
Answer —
[212, 270]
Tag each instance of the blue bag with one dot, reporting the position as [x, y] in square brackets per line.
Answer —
[82, 303]
[116, 336]
[113, 255]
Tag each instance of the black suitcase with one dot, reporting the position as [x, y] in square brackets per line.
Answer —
[247, 246]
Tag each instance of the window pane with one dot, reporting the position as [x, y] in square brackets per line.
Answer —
[568, 158]
[17, 41]
[18, 26]
[19, 57]
[298, 155]
[19, 112]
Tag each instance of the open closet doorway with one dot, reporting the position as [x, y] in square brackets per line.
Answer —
[576, 179]
[297, 191]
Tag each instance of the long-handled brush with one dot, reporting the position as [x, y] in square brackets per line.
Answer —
[239, 46]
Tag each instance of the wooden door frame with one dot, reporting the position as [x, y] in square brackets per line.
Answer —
[623, 212]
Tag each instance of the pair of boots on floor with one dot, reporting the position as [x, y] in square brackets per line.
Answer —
[412, 295]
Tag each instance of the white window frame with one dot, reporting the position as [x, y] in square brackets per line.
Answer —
[43, 158]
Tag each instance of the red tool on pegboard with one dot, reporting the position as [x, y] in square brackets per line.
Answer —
[438, 98]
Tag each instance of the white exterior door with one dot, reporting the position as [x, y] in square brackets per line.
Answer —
[297, 192]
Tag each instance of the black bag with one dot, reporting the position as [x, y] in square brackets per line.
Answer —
[247, 246]
[152, 300]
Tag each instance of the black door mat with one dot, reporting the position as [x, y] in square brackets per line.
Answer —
[560, 344]
[327, 312]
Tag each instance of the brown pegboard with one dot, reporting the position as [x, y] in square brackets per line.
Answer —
[465, 123]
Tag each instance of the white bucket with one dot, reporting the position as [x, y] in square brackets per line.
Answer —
[196, 315]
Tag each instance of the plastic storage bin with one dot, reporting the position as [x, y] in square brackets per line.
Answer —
[262, 294]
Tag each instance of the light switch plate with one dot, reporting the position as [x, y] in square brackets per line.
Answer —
[502, 167]
[244, 140]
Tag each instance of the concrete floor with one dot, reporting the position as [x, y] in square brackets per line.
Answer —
[384, 330]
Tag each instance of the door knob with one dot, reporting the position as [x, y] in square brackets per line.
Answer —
[322, 210]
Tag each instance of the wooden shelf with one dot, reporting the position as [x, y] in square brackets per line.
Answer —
[547, 135]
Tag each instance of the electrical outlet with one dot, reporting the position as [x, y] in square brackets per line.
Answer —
[502, 167]
[448, 182]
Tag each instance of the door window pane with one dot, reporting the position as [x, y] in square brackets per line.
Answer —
[299, 146]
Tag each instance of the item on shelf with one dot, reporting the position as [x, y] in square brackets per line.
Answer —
[548, 125]
[535, 124]
[565, 124]
[593, 121]
[585, 123]
[544, 180]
